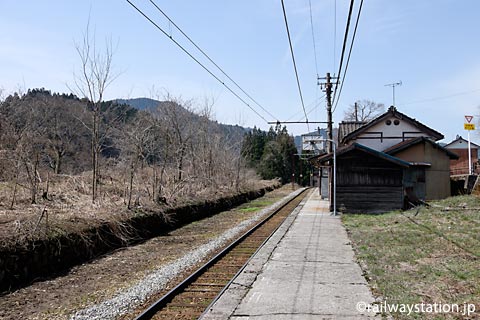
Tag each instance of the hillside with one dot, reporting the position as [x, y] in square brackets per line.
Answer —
[234, 133]
[139, 103]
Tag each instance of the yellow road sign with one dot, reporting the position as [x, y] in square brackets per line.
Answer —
[469, 126]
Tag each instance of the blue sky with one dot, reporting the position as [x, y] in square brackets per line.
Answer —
[431, 46]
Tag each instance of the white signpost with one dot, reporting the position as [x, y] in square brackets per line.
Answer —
[469, 126]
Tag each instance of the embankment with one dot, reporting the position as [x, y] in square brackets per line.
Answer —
[45, 258]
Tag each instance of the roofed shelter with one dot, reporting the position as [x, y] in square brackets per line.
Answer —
[371, 181]
[389, 163]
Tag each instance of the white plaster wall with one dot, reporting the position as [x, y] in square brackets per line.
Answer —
[392, 134]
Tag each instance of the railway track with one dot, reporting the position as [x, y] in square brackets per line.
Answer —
[195, 294]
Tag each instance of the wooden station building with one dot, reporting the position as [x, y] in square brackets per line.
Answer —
[388, 163]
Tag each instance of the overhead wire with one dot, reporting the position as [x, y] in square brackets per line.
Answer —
[294, 64]
[210, 59]
[314, 51]
[196, 60]
[313, 37]
[313, 108]
[315, 104]
[349, 54]
[441, 97]
[334, 33]
[347, 28]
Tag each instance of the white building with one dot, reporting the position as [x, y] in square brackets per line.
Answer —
[314, 142]
[388, 130]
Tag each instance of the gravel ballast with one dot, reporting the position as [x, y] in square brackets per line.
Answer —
[126, 300]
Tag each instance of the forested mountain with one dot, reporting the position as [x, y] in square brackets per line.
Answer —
[234, 132]
[139, 103]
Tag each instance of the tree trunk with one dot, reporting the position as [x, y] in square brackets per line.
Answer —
[180, 162]
[94, 161]
[14, 196]
[130, 188]
[58, 159]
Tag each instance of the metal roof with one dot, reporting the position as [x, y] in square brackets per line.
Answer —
[346, 127]
[408, 143]
[357, 146]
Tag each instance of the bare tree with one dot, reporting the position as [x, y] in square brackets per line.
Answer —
[23, 130]
[363, 111]
[62, 131]
[137, 139]
[94, 78]
[177, 116]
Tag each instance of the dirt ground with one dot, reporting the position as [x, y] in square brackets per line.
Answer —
[100, 279]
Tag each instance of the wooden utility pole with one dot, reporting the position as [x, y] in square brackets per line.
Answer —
[293, 171]
[356, 112]
[328, 89]
[327, 85]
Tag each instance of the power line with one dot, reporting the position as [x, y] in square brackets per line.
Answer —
[196, 60]
[209, 59]
[314, 107]
[349, 54]
[347, 27]
[313, 37]
[441, 97]
[315, 104]
[294, 64]
[334, 33]
[315, 54]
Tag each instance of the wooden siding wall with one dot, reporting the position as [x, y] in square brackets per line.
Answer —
[437, 182]
[367, 184]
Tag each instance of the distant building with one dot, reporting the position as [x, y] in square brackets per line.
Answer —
[460, 147]
[314, 141]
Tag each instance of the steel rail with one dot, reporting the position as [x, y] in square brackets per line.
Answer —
[170, 295]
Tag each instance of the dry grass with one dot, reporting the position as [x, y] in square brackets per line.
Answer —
[67, 206]
[426, 256]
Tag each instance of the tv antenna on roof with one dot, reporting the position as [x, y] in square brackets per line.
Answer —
[393, 85]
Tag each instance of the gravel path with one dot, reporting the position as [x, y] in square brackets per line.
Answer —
[128, 299]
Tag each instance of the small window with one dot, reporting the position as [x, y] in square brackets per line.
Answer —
[388, 122]
[396, 122]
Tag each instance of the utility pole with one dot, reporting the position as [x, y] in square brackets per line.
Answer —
[393, 85]
[327, 86]
[293, 171]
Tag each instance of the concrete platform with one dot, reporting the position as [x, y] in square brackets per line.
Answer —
[305, 271]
